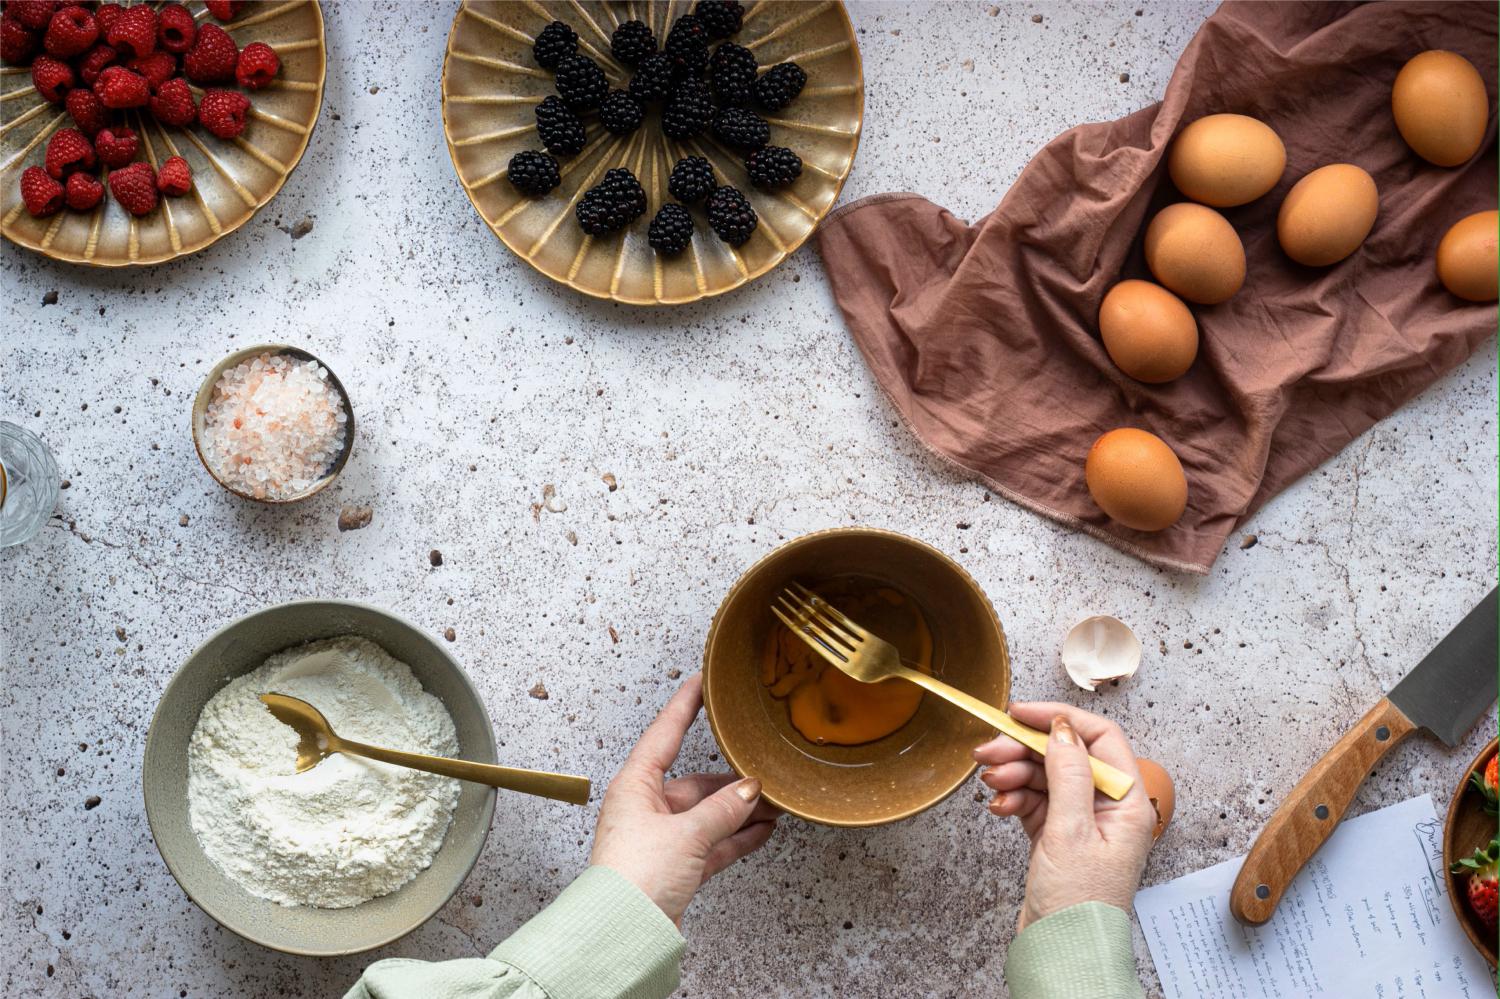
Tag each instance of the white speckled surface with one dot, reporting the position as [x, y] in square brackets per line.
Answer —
[730, 425]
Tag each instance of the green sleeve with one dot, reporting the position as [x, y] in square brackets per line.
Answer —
[1084, 950]
[601, 939]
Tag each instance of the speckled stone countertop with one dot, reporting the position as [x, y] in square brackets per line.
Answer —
[729, 426]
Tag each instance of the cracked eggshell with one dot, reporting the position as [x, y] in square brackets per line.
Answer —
[1100, 649]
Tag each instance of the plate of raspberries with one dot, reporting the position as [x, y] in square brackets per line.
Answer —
[658, 153]
[136, 132]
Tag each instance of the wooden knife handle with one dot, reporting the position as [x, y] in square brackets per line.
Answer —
[1311, 812]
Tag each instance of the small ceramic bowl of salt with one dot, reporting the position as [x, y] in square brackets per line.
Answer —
[273, 424]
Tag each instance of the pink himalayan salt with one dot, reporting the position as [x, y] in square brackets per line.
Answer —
[273, 426]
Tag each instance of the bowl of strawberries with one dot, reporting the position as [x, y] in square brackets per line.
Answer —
[148, 131]
[1471, 851]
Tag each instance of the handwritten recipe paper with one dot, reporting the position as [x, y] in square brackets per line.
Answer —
[1368, 917]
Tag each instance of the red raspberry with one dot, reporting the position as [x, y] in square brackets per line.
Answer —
[94, 61]
[43, 195]
[134, 31]
[157, 68]
[173, 103]
[224, 10]
[106, 15]
[134, 187]
[175, 28]
[87, 111]
[71, 31]
[258, 66]
[175, 177]
[68, 150]
[118, 87]
[83, 192]
[17, 42]
[116, 146]
[223, 112]
[213, 57]
[34, 14]
[51, 78]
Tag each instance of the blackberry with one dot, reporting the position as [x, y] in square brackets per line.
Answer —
[531, 172]
[731, 216]
[731, 74]
[621, 113]
[687, 44]
[780, 85]
[653, 79]
[721, 18]
[671, 231]
[688, 112]
[692, 179]
[773, 166]
[580, 83]
[632, 42]
[561, 131]
[556, 42]
[741, 129]
[613, 203]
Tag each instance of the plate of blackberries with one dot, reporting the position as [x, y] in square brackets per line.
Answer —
[653, 153]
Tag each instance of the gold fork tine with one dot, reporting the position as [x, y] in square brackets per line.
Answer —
[816, 609]
[813, 642]
[830, 635]
[832, 612]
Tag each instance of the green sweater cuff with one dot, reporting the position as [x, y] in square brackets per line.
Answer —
[601, 937]
[1084, 950]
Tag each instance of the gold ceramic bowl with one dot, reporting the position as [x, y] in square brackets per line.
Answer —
[232, 179]
[893, 778]
[206, 394]
[492, 85]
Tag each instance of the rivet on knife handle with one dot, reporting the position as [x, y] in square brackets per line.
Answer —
[1312, 811]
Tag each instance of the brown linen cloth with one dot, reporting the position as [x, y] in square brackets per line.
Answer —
[985, 339]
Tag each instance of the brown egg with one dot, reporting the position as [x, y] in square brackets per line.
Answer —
[1440, 107]
[1226, 159]
[1327, 214]
[1195, 252]
[1467, 259]
[1157, 784]
[1136, 479]
[1149, 333]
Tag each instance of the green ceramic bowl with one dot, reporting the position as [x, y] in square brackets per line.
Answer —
[240, 648]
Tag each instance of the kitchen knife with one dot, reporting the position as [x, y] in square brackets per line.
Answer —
[1445, 694]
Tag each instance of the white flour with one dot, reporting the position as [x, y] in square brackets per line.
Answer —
[347, 830]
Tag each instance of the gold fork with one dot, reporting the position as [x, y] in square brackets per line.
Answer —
[870, 659]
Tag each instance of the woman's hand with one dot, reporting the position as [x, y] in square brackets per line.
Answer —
[667, 837]
[1084, 847]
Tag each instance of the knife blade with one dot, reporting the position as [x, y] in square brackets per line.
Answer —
[1445, 694]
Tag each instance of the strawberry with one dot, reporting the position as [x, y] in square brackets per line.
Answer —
[52, 79]
[1487, 785]
[258, 65]
[134, 31]
[68, 150]
[43, 195]
[17, 42]
[106, 15]
[213, 57]
[223, 112]
[35, 14]
[87, 111]
[157, 68]
[71, 31]
[134, 187]
[94, 62]
[224, 10]
[1482, 884]
[116, 146]
[175, 28]
[118, 87]
[175, 177]
[83, 191]
[173, 103]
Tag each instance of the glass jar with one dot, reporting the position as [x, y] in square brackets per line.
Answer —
[28, 484]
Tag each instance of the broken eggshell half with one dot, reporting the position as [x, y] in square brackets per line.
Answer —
[1100, 649]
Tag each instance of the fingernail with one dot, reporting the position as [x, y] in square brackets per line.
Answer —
[1063, 732]
[748, 789]
[997, 803]
[988, 745]
[987, 777]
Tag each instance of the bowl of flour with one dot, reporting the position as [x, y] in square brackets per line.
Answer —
[351, 854]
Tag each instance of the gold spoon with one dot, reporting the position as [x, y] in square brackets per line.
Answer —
[316, 741]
